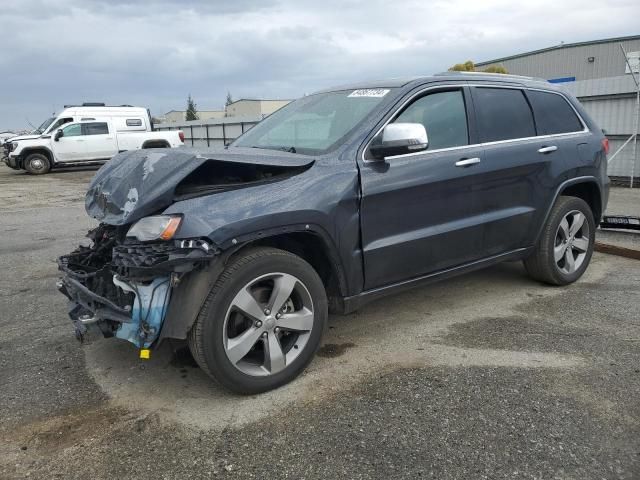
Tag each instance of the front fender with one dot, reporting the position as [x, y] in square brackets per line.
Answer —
[322, 201]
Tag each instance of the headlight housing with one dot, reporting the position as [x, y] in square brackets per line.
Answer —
[14, 145]
[156, 227]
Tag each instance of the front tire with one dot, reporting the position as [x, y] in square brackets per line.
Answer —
[566, 244]
[262, 321]
[37, 164]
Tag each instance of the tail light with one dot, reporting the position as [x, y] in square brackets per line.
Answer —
[181, 135]
[605, 145]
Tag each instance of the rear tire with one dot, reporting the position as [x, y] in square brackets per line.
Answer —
[37, 164]
[251, 349]
[565, 245]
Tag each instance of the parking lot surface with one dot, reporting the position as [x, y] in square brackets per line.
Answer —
[489, 375]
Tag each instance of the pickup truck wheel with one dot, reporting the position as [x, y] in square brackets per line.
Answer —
[262, 322]
[37, 164]
[566, 244]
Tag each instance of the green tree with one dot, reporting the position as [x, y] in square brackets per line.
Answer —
[469, 66]
[229, 100]
[192, 109]
[495, 69]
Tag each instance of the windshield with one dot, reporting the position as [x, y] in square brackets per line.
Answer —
[44, 125]
[313, 124]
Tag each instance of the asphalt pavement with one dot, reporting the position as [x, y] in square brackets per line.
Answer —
[488, 375]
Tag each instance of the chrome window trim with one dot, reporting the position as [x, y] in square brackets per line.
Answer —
[474, 145]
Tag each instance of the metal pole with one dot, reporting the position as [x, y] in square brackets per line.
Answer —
[637, 121]
[635, 140]
[207, 127]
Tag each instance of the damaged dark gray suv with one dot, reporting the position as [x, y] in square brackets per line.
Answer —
[339, 198]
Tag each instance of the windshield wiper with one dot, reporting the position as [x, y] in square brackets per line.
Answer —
[282, 148]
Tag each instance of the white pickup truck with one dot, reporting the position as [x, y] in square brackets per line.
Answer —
[83, 138]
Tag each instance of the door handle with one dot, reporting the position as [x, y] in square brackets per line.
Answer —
[550, 149]
[467, 162]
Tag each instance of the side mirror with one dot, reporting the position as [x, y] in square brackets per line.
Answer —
[58, 134]
[398, 139]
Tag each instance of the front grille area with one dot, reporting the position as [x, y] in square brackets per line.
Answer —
[147, 260]
[142, 255]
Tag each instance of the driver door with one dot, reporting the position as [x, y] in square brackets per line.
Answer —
[71, 146]
[415, 207]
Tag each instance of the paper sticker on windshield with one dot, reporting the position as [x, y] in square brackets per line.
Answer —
[369, 92]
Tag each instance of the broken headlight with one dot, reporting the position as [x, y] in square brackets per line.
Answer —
[157, 227]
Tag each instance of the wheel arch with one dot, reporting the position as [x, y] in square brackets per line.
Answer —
[157, 143]
[31, 150]
[589, 191]
[313, 246]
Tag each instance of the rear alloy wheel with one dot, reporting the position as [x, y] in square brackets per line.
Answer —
[572, 242]
[565, 245]
[262, 322]
[37, 164]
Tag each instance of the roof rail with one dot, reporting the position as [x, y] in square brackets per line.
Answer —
[501, 75]
[97, 104]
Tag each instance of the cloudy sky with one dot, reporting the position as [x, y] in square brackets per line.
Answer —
[155, 52]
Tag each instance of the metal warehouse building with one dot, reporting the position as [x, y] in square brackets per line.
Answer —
[597, 73]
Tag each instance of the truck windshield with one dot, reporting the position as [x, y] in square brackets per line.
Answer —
[313, 124]
[44, 125]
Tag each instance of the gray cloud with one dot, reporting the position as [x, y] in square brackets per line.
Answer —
[155, 52]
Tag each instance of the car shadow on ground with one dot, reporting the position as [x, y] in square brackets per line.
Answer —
[405, 330]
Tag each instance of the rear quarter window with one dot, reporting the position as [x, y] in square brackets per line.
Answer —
[503, 114]
[553, 113]
[128, 124]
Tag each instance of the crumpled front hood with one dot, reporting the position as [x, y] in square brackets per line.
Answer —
[139, 183]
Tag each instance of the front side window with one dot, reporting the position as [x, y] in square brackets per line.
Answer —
[315, 124]
[96, 128]
[74, 130]
[502, 114]
[553, 114]
[444, 118]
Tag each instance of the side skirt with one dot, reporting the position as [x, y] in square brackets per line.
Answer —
[351, 304]
[80, 163]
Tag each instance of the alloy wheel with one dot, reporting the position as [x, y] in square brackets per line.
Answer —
[571, 242]
[268, 324]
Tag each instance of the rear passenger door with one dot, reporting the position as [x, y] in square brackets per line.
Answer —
[100, 140]
[518, 173]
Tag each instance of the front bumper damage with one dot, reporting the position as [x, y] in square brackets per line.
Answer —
[122, 287]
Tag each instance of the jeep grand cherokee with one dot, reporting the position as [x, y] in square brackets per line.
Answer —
[339, 198]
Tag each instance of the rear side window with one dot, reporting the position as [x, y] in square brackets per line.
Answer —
[96, 128]
[444, 118]
[553, 113]
[134, 122]
[503, 114]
